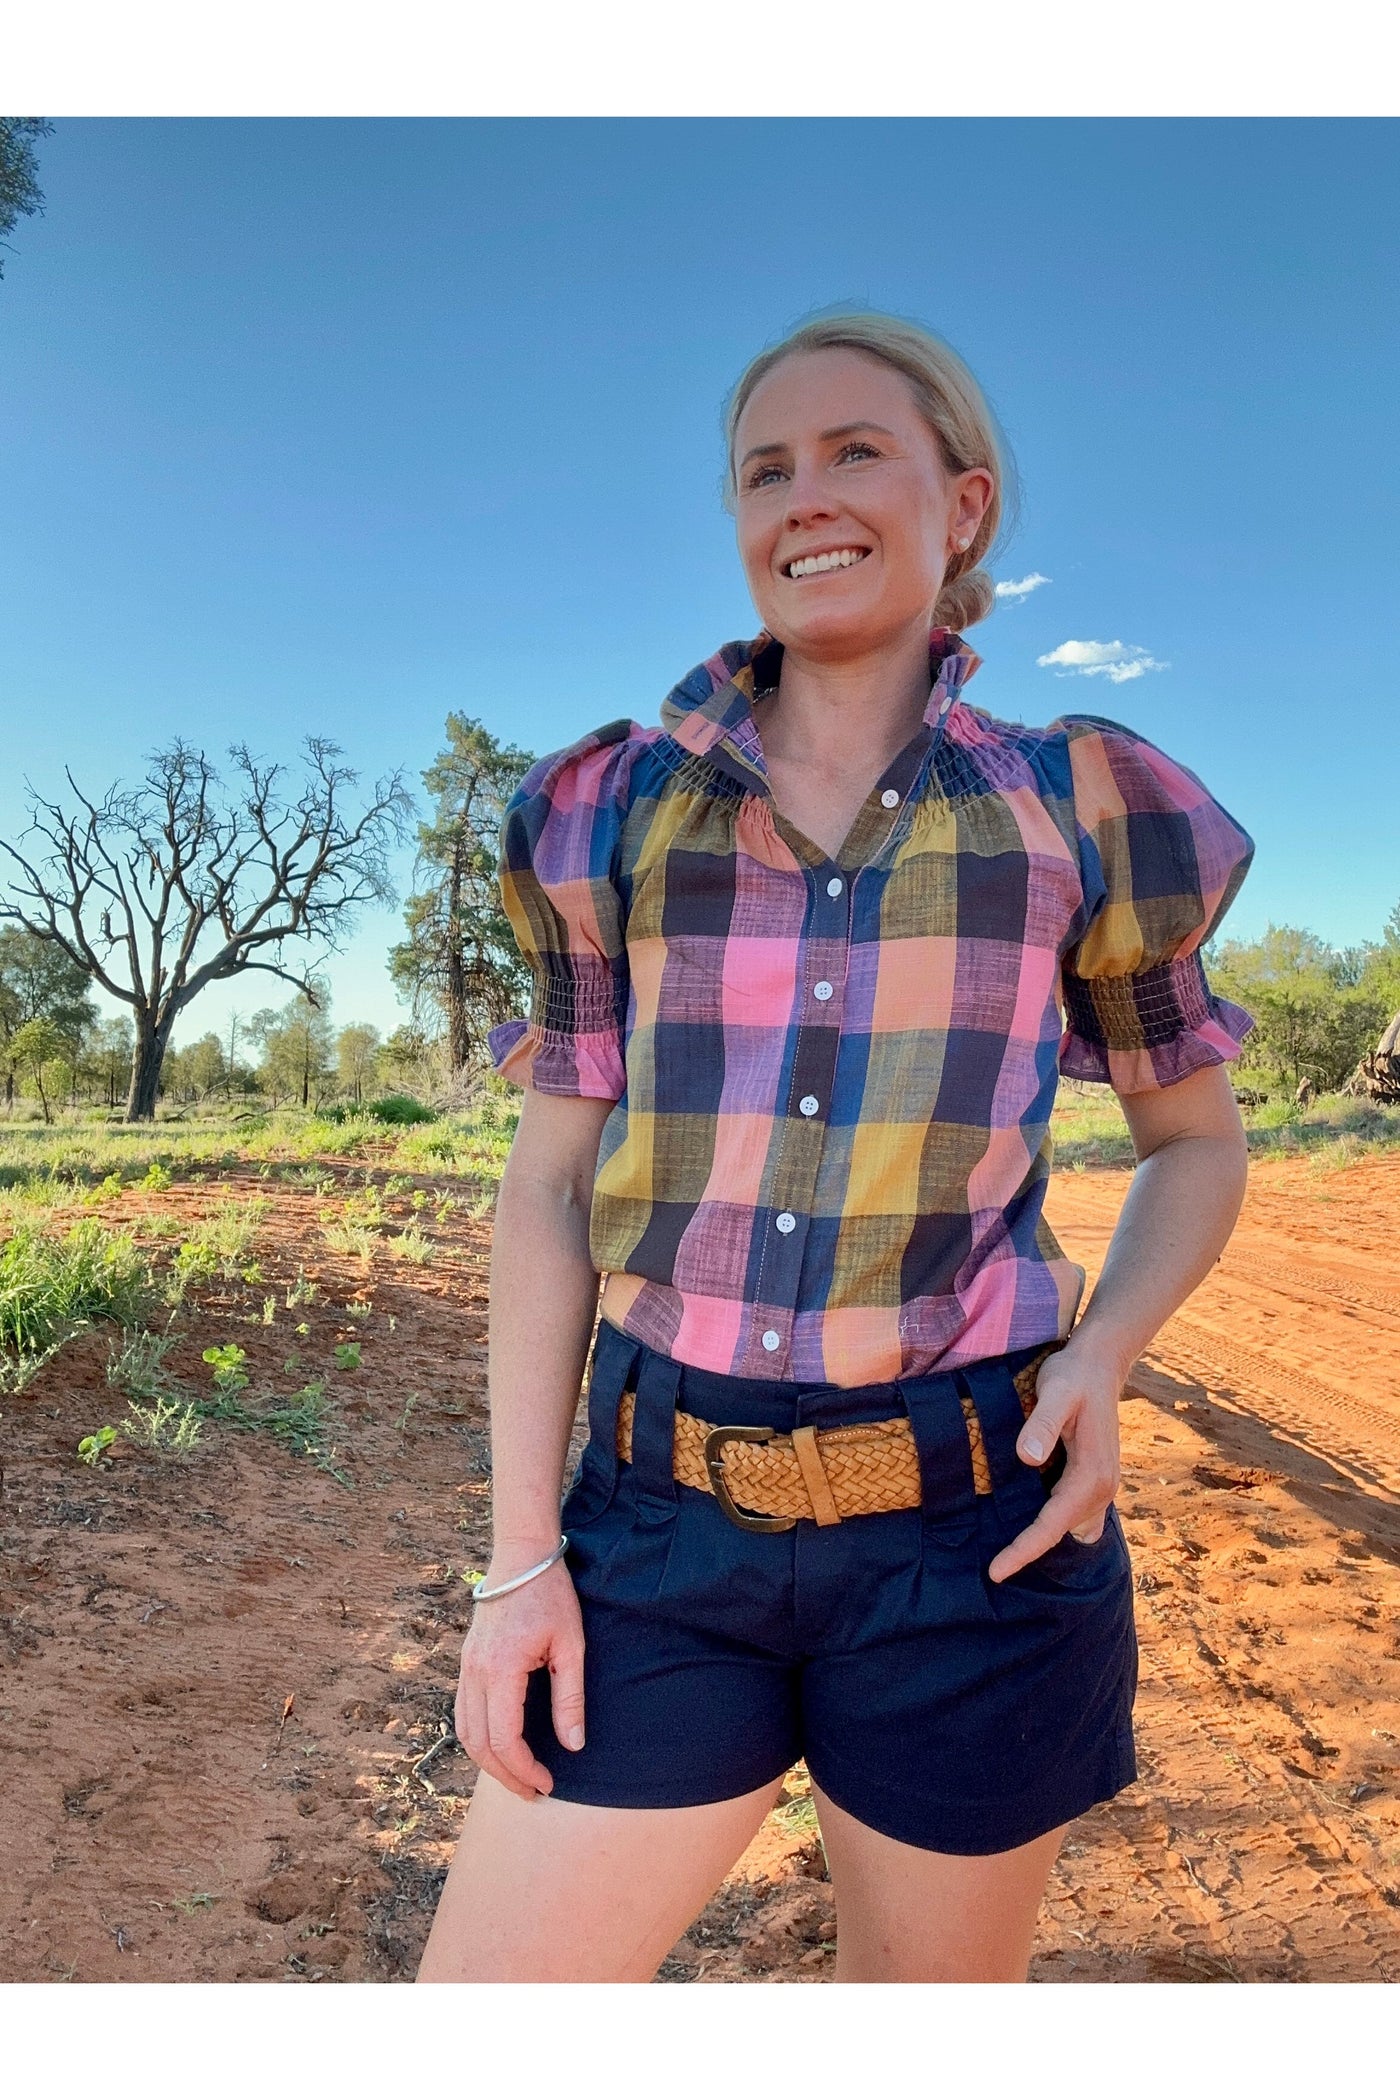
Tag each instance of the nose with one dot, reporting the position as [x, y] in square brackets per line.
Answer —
[808, 496]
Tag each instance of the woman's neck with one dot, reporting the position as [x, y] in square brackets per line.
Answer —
[823, 714]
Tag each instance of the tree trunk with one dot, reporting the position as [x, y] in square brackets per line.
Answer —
[147, 1057]
[458, 1046]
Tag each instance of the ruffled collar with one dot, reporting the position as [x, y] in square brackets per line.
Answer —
[709, 713]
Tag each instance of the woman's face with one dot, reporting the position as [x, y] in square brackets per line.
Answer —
[832, 458]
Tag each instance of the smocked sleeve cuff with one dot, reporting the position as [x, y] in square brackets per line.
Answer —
[571, 1043]
[1149, 1030]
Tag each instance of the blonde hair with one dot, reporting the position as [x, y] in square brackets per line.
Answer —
[952, 404]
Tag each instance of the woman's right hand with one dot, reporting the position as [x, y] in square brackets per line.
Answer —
[535, 1627]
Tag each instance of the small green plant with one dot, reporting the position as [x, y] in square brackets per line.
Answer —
[409, 1404]
[398, 1184]
[302, 1328]
[420, 1199]
[227, 1360]
[163, 1426]
[110, 1185]
[347, 1356]
[303, 1291]
[137, 1368]
[195, 1262]
[252, 1274]
[358, 1309]
[343, 1238]
[156, 1178]
[411, 1245]
[269, 1311]
[91, 1448]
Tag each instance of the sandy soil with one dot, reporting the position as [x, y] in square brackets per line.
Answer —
[224, 1681]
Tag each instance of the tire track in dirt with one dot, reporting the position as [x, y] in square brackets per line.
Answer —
[1271, 1393]
[1307, 1283]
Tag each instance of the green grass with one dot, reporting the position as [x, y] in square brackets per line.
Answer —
[1089, 1130]
[53, 1287]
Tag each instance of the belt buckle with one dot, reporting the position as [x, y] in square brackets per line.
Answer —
[714, 1466]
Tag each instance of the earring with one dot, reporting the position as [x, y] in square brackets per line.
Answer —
[964, 543]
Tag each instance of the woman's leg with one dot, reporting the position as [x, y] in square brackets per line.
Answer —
[549, 1891]
[909, 1916]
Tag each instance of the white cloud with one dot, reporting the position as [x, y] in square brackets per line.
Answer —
[1116, 661]
[1023, 586]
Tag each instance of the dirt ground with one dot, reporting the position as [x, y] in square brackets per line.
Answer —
[224, 1680]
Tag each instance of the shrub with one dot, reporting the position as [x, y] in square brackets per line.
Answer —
[400, 1108]
[50, 1289]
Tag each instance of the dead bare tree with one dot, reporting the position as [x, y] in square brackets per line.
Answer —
[1377, 1077]
[162, 889]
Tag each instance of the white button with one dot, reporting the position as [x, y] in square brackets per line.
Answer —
[809, 1104]
[821, 991]
[785, 1221]
[835, 886]
[772, 1340]
[889, 798]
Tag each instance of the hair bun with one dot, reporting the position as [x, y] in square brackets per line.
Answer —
[964, 600]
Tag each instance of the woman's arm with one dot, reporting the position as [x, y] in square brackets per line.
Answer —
[1180, 1210]
[544, 1292]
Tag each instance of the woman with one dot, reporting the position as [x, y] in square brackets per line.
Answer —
[799, 957]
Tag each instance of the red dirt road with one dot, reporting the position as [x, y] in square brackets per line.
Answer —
[161, 1819]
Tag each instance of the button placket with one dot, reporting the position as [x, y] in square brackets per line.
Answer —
[814, 1066]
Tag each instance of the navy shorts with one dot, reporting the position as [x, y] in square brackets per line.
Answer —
[934, 1705]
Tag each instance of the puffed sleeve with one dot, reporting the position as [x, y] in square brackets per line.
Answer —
[1161, 863]
[558, 858]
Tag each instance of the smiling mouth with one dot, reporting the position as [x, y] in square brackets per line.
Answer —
[824, 564]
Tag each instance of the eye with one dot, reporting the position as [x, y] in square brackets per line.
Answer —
[858, 445]
[756, 479]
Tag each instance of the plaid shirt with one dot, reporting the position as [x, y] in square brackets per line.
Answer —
[834, 1077]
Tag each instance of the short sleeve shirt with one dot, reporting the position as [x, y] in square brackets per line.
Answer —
[833, 1077]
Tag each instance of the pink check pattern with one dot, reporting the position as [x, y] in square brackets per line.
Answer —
[833, 1077]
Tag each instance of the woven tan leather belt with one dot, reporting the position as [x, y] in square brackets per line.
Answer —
[765, 1480]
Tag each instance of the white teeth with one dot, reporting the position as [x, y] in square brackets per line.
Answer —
[817, 564]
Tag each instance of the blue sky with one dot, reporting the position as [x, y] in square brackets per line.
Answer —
[335, 426]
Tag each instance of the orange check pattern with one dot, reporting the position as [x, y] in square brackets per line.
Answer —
[833, 1078]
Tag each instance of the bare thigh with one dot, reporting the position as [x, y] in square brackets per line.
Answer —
[909, 1916]
[549, 1891]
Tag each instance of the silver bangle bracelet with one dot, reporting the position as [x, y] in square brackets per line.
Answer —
[480, 1593]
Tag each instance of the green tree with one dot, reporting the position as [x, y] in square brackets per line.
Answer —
[39, 982]
[199, 1070]
[20, 194]
[109, 1057]
[357, 1059]
[460, 960]
[1315, 1012]
[37, 1048]
[296, 1047]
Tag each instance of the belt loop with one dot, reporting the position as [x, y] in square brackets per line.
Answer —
[654, 1432]
[945, 1455]
[614, 1356]
[1017, 1488]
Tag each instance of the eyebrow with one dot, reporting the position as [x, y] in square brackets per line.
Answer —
[840, 430]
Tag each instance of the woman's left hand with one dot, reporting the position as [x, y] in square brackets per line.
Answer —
[1076, 1397]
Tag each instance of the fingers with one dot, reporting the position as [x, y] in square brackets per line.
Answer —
[489, 1714]
[505, 1713]
[1045, 1424]
[1038, 1537]
[566, 1692]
